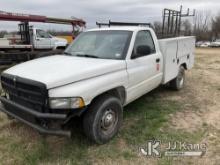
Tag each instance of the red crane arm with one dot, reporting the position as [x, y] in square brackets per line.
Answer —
[8, 16]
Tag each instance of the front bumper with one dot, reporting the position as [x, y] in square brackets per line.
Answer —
[30, 117]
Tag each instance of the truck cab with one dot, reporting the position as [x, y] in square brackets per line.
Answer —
[41, 39]
[33, 38]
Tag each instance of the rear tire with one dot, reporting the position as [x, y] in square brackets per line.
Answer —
[103, 119]
[179, 81]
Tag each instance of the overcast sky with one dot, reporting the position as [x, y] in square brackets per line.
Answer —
[100, 10]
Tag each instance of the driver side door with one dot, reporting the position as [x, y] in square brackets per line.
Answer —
[42, 40]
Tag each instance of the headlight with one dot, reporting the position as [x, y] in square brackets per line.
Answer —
[66, 103]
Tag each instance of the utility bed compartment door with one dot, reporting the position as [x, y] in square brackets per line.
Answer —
[176, 51]
[186, 47]
[169, 51]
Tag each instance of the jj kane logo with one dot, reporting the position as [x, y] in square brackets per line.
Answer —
[153, 148]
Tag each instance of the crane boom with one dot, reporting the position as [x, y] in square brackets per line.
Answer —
[8, 16]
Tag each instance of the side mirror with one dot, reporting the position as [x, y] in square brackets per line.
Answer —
[141, 50]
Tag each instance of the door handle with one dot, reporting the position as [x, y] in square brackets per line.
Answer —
[157, 60]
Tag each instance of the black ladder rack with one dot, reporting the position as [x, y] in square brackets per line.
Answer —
[122, 24]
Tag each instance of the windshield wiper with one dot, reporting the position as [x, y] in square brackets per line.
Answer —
[67, 53]
[87, 55]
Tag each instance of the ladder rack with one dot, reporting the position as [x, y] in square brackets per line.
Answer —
[111, 23]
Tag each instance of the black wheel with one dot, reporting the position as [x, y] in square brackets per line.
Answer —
[103, 119]
[179, 81]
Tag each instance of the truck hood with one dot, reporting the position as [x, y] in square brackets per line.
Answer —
[60, 70]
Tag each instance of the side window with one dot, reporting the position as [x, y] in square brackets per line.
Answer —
[144, 39]
[42, 34]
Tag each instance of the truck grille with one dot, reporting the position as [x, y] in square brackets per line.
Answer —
[29, 93]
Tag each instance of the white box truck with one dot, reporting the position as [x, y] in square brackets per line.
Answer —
[103, 70]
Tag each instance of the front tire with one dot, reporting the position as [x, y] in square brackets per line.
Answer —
[179, 81]
[103, 119]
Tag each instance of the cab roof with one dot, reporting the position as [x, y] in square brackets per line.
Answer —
[124, 28]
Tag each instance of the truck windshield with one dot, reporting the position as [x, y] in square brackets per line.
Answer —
[111, 44]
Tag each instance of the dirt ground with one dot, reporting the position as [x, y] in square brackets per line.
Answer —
[201, 99]
[200, 104]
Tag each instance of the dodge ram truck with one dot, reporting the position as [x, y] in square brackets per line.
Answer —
[102, 71]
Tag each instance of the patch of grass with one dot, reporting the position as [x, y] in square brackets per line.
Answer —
[43, 151]
[74, 151]
[128, 155]
[183, 136]
[165, 161]
[150, 114]
[40, 152]
[23, 152]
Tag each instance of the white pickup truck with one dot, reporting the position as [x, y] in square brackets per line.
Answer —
[100, 72]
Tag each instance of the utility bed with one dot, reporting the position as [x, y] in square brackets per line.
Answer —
[176, 50]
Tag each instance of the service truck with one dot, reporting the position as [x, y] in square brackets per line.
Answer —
[102, 71]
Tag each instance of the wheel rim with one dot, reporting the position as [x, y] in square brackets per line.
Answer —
[108, 121]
